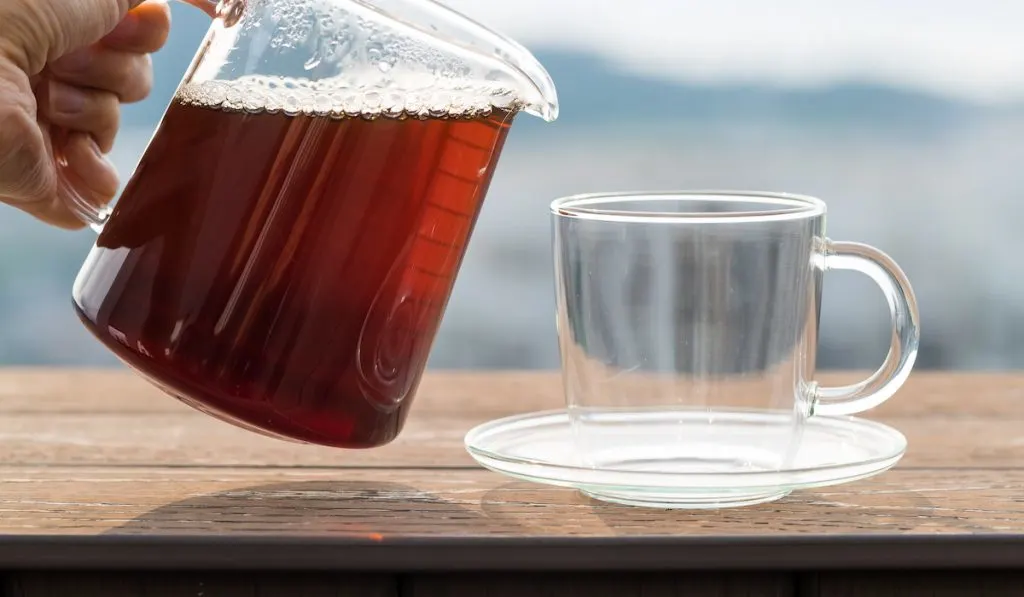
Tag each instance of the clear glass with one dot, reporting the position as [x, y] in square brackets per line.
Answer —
[688, 326]
[283, 254]
[353, 58]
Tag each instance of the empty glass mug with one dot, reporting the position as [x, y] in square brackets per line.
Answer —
[688, 327]
[285, 250]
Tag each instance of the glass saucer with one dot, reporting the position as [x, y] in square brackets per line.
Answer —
[691, 469]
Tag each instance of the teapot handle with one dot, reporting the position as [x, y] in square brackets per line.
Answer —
[207, 6]
[96, 216]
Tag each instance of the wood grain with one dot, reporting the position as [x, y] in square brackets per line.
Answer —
[396, 504]
[98, 469]
[469, 520]
[429, 440]
[115, 419]
[118, 391]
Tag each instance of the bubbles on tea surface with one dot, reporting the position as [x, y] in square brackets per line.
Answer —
[351, 58]
[418, 97]
[346, 35]
[314, 61]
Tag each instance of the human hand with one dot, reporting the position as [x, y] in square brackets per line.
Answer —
[66, 66]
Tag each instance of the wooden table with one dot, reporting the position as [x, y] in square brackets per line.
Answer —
[109, 488]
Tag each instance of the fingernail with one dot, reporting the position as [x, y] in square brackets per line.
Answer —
[65, 99]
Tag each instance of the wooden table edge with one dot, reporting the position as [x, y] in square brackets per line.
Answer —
[486, 554]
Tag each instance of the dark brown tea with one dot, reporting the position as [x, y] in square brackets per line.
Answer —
[288, 273]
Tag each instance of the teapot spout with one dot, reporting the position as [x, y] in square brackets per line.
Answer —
[538, 92]
[486, 57]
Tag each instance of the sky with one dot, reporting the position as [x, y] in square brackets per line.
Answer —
[971, 50]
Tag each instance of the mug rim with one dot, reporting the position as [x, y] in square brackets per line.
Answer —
[777, 206]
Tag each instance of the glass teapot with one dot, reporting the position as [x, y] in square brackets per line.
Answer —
[283, 254]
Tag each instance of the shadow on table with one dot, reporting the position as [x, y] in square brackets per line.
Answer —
[377, 510]
[373, 510]
[878, 508]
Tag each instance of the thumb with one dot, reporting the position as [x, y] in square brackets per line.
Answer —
[33, 32]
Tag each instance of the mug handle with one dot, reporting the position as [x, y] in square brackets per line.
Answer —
[906, 330]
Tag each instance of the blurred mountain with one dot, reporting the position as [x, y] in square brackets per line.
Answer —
[935, 182]
[593, 91]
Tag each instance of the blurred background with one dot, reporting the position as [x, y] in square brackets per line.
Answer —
[906, 117]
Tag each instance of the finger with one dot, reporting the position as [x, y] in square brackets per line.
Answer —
[33, 31]
[143, 30]
[207, 6]
[82, 175]
[84, 110]
[23, 149]
[129, 76]
[27, 176]
[35, 191]
[87, 172]
[55, 212]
